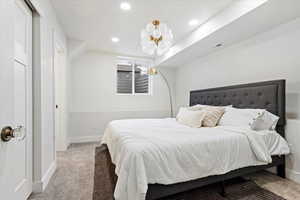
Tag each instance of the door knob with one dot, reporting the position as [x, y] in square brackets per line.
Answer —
[7, 133]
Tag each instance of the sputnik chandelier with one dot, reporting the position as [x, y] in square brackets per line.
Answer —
[156, 38]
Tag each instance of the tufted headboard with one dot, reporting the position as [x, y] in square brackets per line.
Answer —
[269, 95]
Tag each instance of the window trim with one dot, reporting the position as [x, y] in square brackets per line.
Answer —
[132, 62]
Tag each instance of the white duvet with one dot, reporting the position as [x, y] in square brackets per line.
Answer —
[148, 151]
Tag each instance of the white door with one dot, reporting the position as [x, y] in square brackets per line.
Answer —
[58, 76]
[16, 151]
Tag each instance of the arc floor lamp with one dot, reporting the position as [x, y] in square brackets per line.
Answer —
[154, 71]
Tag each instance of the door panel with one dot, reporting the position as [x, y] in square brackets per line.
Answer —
[16, 154]
[19, 175]
[22, 100]
[6, 92]
[22, 24]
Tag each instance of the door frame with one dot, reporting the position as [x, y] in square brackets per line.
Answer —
[40, 180]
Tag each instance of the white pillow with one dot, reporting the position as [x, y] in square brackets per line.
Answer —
[201, 106]
[239, 117]
[266, 121]
[196, 107]
[190, 118]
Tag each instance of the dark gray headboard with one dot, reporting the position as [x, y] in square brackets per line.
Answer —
[268, 95]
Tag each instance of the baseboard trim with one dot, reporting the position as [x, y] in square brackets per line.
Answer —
[293, 175]
[84, 139]
[40, 186]
[46, 178]
[37, 187]
[64, 147]
[68, 144]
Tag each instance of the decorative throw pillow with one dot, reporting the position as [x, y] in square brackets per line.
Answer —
[190, 118]
[266, 121]
[213, 115]
[240, 117]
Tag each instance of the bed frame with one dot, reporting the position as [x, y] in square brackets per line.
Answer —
[268, 95]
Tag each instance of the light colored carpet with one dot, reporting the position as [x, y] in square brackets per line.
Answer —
[74, 177]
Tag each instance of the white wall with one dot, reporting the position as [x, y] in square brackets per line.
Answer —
[94, 101]
[268, 56]
[44, 146]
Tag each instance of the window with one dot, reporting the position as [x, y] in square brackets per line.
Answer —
[132, 77]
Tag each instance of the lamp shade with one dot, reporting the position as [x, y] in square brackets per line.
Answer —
[152, 71]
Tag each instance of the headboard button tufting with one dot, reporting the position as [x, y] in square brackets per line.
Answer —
[264, 95]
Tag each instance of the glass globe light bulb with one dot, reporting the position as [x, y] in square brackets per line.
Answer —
[156, 33]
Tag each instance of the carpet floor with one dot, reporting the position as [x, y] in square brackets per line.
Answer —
[74, 180]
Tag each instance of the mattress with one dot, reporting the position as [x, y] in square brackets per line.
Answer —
[149, 151]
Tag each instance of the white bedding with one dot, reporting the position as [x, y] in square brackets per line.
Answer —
[147, 151]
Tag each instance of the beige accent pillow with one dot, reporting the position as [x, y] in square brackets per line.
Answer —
[213, 115]
[190, 118]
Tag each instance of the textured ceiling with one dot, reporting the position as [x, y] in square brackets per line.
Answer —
[96, 21]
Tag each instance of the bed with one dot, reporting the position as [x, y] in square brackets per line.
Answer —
[156, 158]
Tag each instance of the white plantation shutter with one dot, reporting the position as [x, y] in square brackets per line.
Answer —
[124, 85]
[132, 83]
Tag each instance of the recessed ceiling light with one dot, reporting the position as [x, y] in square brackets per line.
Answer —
[125, 6]
[193, 22]
[115, 39]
